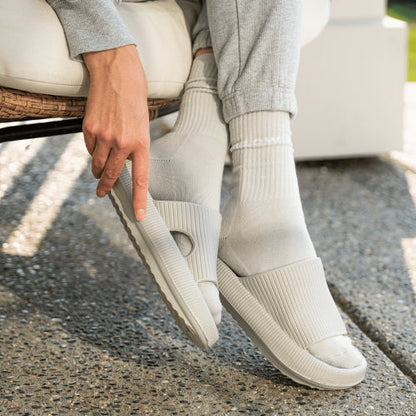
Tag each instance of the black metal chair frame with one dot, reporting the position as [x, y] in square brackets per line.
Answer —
[46, 128]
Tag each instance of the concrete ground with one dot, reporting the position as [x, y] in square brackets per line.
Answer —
[84, 331]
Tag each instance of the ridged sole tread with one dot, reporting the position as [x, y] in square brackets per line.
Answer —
[183, 325]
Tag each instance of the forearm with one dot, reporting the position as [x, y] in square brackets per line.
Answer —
[91, 25]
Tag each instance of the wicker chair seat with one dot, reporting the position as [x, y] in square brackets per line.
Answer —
[39, 80]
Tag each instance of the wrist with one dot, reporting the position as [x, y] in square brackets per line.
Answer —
[100, 61]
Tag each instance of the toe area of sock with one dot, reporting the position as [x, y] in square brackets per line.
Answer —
[338, 352]
[211, 295]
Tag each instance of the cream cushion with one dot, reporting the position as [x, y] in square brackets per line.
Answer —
[315, 16]
[34, 55]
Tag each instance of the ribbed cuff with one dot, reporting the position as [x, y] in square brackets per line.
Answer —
[260, 128]
[203, 73]
[91, 25]
[262, 98]
[200, 103]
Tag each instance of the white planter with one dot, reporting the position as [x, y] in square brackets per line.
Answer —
[350, 84]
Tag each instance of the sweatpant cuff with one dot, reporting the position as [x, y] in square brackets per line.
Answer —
[265, 99]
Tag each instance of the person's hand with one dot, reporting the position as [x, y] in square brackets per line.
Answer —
[116, 123]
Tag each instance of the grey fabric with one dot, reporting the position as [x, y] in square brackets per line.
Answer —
[201, 38]
[91, 25]
[256, 46]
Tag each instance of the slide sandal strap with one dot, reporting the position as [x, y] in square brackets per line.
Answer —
[202, 226]
[298, 298]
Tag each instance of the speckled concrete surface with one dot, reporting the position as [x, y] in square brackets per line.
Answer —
[362, 219]
[84, 331]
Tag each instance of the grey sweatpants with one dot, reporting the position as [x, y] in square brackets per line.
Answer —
[256, 46]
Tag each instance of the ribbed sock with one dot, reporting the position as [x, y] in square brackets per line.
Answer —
[263, 224]
[187, 163]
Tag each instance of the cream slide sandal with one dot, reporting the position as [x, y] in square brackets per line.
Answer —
[196, 230]
[165, 263]
[201, 226]
[284, 311]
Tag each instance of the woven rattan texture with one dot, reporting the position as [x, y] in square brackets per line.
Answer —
[16, 104]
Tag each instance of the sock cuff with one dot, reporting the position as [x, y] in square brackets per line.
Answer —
[260, 128]
[260, 142]
[265, 173]
[264, 157]
[203, 73]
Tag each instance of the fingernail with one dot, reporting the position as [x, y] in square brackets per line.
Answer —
[100, 194]
[140, 214]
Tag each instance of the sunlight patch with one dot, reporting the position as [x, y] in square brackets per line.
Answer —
[27, 236]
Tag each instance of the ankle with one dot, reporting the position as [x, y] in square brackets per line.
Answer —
[255, 239]
[203, 51]
[187, 163]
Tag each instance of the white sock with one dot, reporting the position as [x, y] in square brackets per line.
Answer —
[187, 163]
[263, 224]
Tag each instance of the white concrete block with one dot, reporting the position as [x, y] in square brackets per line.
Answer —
[358, 9]
[350, 90]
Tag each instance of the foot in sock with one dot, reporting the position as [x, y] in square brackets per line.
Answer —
[263, 226]
[187, 163]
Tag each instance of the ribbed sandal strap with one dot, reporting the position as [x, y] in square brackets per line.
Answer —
[202, 226]
[298, 299]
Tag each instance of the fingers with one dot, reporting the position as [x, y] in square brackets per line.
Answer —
[96, 148]
[99, 159]
[89, 137]
[107, 164]
[111, 172]
[140, 176]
